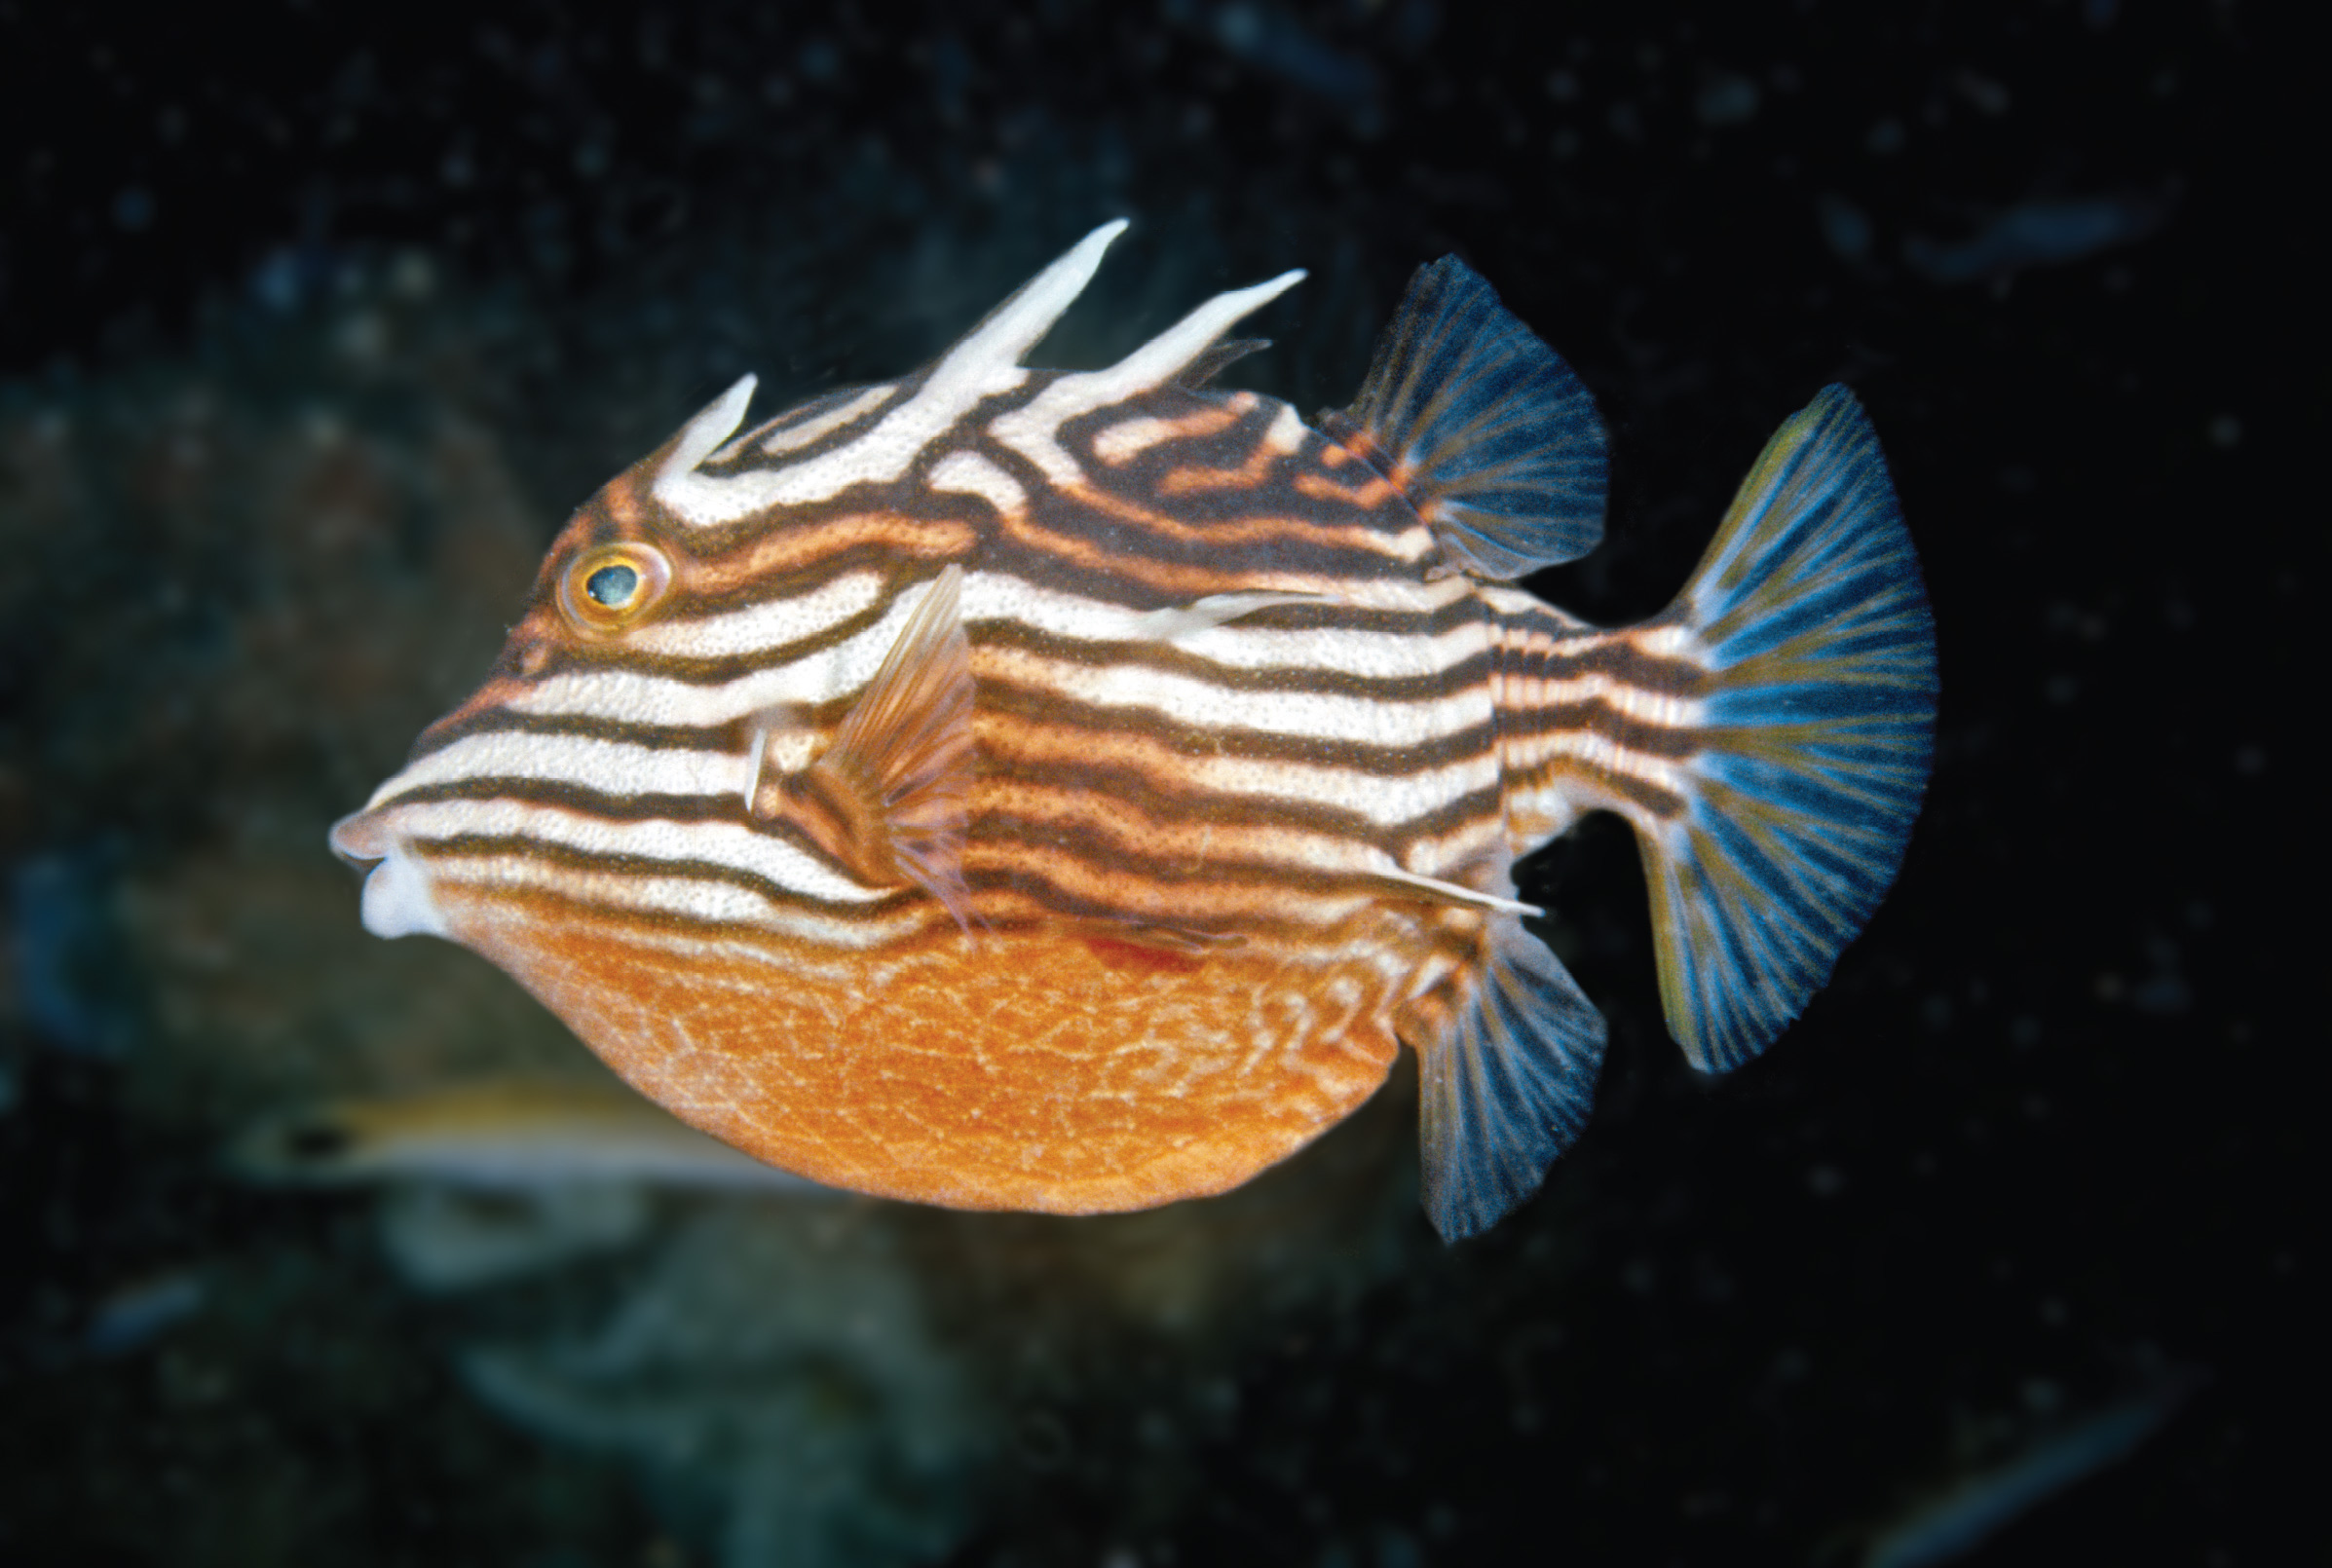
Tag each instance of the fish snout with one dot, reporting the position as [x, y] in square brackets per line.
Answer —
[398, 901]
[360, 838]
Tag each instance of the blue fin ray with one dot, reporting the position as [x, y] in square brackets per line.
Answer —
[1507, 1082]
[1483, 429]
[1818, 715]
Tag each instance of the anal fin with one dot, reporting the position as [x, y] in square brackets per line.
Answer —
[888, 797]
[1508, 1073]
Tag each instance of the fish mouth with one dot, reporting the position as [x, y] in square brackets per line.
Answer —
[360, 839]
[398, 901]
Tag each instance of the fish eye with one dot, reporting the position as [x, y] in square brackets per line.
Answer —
[612, 586]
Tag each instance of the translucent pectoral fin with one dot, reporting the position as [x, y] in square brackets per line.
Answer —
[888, 797]
[1507, 1076]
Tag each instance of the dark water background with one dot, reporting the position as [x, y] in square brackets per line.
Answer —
[315, 322]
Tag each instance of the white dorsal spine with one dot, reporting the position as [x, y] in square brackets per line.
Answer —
[986, 363]
[1033, 431]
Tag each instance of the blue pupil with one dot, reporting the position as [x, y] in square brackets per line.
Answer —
[613, 585]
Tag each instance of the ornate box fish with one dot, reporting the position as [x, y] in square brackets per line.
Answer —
[1018, 789]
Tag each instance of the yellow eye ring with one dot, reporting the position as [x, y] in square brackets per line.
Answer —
[610, 587]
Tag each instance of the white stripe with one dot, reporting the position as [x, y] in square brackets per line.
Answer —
[1034, 430]
[763, 626]
[731, 844]
[1386, 802]
[1370, 655]
[1286, 433]
[1620, 696]
[693, 898]
[983, 364]
[1372, 796]
[1130, 438]
[1601, 751]
[1670, 642]
[625, 698]
[971, 474]
[605, 766]
[1330, 718]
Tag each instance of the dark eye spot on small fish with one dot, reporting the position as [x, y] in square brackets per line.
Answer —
[317, 1140]
[613, 585]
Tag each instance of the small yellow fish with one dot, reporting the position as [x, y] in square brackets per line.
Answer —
[1018, 789]
[497, 1134]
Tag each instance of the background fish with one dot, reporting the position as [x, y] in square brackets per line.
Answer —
[502, 1134]
[1064, 791]
[1961, 1518]
[490, 1179]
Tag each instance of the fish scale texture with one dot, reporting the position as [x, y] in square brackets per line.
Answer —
[1079, 1077]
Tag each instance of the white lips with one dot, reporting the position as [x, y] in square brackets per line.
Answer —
[397, 901]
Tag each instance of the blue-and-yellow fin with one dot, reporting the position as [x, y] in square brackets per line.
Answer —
[1818, 718]
[1506, 1079]
[1483, 429]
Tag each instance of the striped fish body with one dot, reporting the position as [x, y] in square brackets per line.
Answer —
[1066, 790]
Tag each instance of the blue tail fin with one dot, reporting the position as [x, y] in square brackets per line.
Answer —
[1819, 713]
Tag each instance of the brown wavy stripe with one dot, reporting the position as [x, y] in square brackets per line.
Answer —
[760, 563]
[1113, 758]
[1574, 654]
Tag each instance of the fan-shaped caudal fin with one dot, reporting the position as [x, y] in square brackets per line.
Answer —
[1508, 1074]
[1818, 711]
[888, 798]
[1483, 428]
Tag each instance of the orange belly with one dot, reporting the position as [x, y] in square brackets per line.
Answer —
[1056, 1072]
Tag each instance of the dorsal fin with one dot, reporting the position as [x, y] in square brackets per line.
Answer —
[888, 798]
[1483, 429]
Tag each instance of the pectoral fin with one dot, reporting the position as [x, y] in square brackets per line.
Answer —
[888, 797]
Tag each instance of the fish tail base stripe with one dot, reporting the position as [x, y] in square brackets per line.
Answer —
[1817, 720]
[1483, 428]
